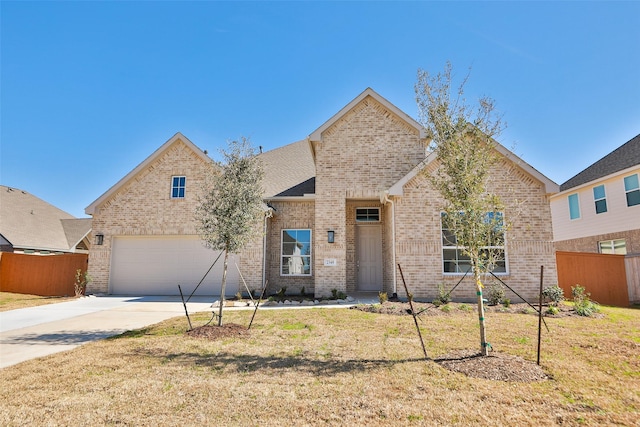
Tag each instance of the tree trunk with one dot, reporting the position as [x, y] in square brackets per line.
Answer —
[484, 350]
[224, 285]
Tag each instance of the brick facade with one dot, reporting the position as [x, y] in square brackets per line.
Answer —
[143, 206]
[590, 244]
[359, 155]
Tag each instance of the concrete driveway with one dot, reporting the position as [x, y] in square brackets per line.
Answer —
[29, 333]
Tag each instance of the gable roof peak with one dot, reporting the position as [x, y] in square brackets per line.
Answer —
[89, 210]
[317, 134]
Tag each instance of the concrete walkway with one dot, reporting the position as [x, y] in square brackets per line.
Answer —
[29, 333]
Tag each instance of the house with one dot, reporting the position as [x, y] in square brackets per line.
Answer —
[32, 226]
[346, 206]
[598, 210]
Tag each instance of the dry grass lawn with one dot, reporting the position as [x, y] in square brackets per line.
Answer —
[334, 367]
[13, 301]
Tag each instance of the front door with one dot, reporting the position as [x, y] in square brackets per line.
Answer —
[369, 257]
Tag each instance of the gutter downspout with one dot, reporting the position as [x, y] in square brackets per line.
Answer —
[268, 214]
[384, 198]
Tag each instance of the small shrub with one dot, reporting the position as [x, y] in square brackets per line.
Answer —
[496, 293]
[446, 308]
[464, 307]
[334, 293]
[552, 310]
[506, 302]
[82, 280]
[383, 297]
[239, 296]
[443, 296]
[302, 292]
[582, 303]
[555, 294]
[281, 292]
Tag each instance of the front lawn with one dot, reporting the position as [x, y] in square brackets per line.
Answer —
[334, 367]
[13, 301]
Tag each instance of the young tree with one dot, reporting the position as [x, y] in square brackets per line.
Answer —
[227, 213]
[463, 140]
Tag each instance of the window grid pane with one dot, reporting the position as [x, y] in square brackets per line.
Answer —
[296, 253]
[574, 207]
[178, 184]
[456, 261]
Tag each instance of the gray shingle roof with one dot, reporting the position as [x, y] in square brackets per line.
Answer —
[28, 222]
[623, 157]
[286, 168]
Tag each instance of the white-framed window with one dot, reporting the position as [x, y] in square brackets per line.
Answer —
[632, 190]
[574, 206]
[600, 199]
[367, 214]
[615, 246]
[456, 261]
[295, 252]
[178, 184]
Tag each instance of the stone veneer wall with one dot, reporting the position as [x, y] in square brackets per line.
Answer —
[363, 153]
[143, 206]
[590, 244]
[529, 237]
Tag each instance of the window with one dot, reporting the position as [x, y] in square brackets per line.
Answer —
[617, 246]
[632, 190]
[296, 253]
[574, 207]
[368, 215]
[177, 187]
[600, 199]
[454, 258]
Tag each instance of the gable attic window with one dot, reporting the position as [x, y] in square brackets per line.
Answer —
[177, 187]
[455, 260]
[574, 206]
[600, 199]
[632, 190]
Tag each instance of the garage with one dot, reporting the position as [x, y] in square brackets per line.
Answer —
[155, 265]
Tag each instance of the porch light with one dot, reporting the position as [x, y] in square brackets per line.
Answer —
[330, 236]
[99, 239]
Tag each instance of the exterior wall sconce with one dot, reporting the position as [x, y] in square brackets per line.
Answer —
[99, 239]
[330, 236]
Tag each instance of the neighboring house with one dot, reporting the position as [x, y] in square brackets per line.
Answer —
[32, 226]
[346, 206]
[598, 210]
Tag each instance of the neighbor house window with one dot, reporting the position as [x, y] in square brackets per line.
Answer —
[455, 259]
[617, 246]
[600, 199]
[368, 215]
[296, 253]
[177, 187]
[632, 189]
[574, 207]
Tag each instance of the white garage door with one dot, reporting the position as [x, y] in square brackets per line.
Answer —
[156, 265]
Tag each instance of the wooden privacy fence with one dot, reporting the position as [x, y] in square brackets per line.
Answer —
[632, 265]
[602, 275]
[50, 275]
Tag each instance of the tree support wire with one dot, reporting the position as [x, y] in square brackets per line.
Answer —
[184, 303]
[518, 295]
[264, 288]
[413, 312]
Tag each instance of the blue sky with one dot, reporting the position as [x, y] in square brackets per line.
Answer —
[90, 89]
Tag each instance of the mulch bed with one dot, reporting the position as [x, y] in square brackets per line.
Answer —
[495, 366]
[400, 308]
